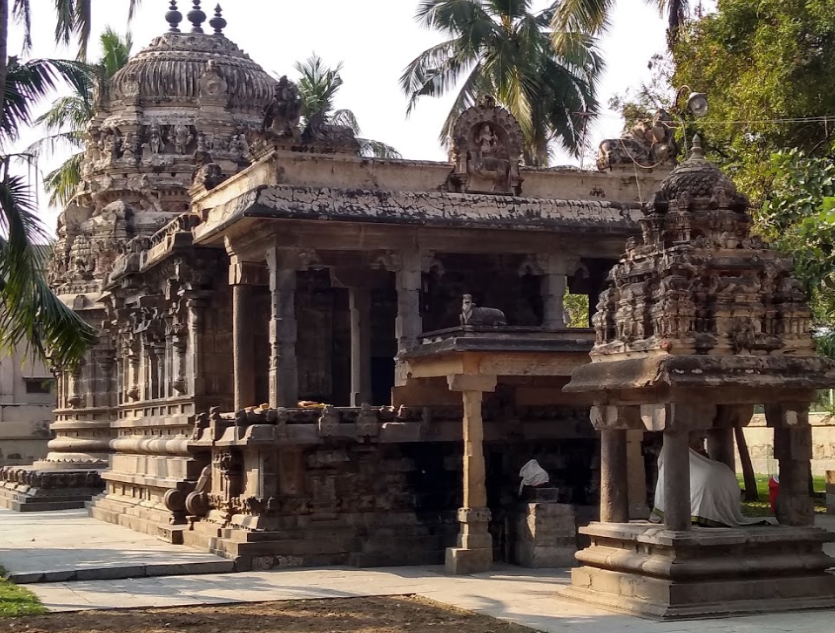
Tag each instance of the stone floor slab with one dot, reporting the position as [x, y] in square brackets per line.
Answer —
[526, 597]
[69, 545]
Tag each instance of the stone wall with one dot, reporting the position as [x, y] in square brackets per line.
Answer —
[27, 399]
[760, 441]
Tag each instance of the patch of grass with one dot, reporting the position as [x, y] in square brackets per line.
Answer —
[762, 508]
[15, 600]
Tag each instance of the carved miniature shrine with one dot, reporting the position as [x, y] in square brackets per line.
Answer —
[698, 324]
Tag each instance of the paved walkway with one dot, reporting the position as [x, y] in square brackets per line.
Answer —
[526, 597]
[69, 541]
[69, 545]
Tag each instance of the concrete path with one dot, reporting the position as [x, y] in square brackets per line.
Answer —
[139, 571]
[523, 596]
[69, 545]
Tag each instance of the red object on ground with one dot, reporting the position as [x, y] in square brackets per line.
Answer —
[773, 491]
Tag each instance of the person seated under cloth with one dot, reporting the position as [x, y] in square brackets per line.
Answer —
[714, 491]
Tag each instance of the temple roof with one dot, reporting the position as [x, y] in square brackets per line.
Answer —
[173, 68]
[697, 183]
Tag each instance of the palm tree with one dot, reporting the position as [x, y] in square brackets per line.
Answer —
[318, 86]
[67, 119]
[591, 17]
[502, 48]
[30, 312]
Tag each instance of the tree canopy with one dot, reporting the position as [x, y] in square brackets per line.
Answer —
[768, 69]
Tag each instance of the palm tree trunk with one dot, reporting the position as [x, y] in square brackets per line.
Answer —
[4, 48]
[748, 475]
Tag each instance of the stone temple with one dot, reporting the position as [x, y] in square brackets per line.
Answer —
[312, 357]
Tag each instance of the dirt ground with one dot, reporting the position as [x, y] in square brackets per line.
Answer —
[349, 615]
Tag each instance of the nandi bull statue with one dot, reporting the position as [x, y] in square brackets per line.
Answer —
[472, 315]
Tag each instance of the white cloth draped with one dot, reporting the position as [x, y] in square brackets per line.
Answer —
[714, 494]
[532, 474]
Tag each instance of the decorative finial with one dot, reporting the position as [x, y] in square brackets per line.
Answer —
[696, 150]
[174, 17]
[217, 22]
[197, 16]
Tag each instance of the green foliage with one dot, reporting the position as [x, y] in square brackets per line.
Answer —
[503, 49]
[16, 601]
[799, 217]
[759, 62]
[318, 85]
[578, 309]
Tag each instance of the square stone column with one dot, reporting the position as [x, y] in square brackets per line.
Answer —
[614, 423]
[242, 277]
[677, 513]
[636, 475]
[614, 480]
[793, 449]
[474, 550]
[284, 379]
[409, 323]
[360, 305]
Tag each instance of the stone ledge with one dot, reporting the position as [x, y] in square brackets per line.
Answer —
[219, 566]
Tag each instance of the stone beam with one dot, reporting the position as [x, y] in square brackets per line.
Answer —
[677, 416]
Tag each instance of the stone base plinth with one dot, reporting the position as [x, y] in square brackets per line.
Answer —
[460, 561]
[646, 570]
[544, 535]
[348, 539]
[29, 489]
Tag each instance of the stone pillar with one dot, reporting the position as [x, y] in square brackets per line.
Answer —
[242, 277]
[677, 513]
[474, 551]
[636, 476]
[360, 305]
[196, 306]
[284, 379]
[793, 449]
[552, 287]
[614, 482]
[243, 355]
[721, 447]
[409, 323]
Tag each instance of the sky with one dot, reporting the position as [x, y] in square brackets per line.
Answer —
[375, 40]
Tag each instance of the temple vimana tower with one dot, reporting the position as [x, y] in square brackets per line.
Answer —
[307, 356]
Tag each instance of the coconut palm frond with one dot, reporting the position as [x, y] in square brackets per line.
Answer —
[376, 149]
[346, 118]
[29, 82]
[61, 184]
[31, 313]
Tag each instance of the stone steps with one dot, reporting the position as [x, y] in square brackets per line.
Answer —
[22, 502]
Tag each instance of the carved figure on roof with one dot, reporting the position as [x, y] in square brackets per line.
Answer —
[649, 143]
[486, 150]
[212, 85]
[338, 137]
[181, 136]
[473, 315]
[155, 142]
[238, 147]
[284, 112]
